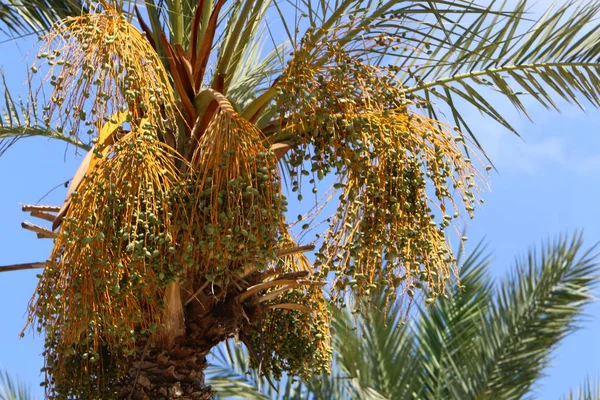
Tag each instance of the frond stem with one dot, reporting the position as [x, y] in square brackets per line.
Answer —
[491, 71]
[21, 267]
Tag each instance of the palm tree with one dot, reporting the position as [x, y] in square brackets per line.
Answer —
[485, 341]
[173, 236]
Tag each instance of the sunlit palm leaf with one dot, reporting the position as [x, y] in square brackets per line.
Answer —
[442, 330]
[588, 390]
[11, 389]
[231, 376]
[481, 342]
[20, 120]
[533, 310]
[22, 17]
[508, 53]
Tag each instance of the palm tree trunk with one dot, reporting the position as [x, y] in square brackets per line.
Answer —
[166, 374]
[174, 369]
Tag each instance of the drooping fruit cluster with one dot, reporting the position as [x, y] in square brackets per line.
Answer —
[143, 216]
[101, 64]
[236, 209]
[397, 171]
[103, 282]
[293, 336]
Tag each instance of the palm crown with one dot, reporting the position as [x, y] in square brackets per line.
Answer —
[174, 225]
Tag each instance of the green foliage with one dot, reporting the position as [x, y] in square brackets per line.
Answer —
[13, 390]
[484, 341]
[508, 53]
[23, 17]
[588, 390]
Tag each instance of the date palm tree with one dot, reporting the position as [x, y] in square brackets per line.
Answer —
[173, 236]
[487, 340]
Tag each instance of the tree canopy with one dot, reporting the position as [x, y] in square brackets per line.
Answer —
[196, 116]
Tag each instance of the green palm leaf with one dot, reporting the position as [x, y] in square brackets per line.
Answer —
[231, 376]
[507, 53]
[443, 328]
[20, 120]
[11, 389]
[533, 310]
[23, 17]
[588, 390]
[483, 341]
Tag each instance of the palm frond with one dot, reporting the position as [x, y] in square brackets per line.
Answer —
[252, 75]
[388, 346]
[555, 56]
[325, 387]
[235, 387]
[443, 327]
[481, 341]
[376, 31]
[22, 17]
[20, 120]
[231, 376]
[358, 20]
[242, 40]
[588, 390]
[11, 389]
[533, 310]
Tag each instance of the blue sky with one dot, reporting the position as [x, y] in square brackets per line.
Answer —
[547, 183]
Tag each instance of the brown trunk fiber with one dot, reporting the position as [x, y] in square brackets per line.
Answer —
[166, 374]
[176, 370]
